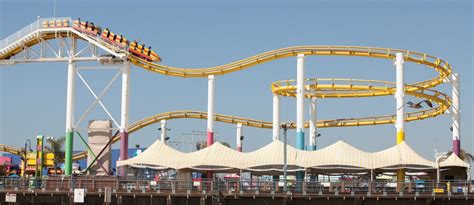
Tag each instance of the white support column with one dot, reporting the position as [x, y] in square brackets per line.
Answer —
[210, 110]
[300, 80]
[400, 97]
[125, 96]
[124, 116]
[456, 113]
[313, 130]
[164, 131]
[71, 89]
[276, 117]
[300, 102]
[210, 116]
[239, 137]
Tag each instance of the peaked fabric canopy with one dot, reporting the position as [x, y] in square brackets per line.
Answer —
[453, 161]
[270, 158]
[400, 156]
[157, 156]
[338, 157]
[214, 157]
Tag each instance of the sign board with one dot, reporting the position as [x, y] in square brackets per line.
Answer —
[78, 195]
[10, 197]
[438, 191]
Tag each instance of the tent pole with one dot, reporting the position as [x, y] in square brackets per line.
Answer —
[437, 175]
[371, 175]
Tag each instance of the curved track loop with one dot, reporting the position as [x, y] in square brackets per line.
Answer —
[353, 88]
[348, 88]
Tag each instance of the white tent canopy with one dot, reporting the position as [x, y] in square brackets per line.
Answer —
[400, 156]
[453, 161]
[157, 156]
[339, 156]
[270, 158]
[214, 157]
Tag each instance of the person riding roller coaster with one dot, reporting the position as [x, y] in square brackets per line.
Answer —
[139, 50]
[107, 32]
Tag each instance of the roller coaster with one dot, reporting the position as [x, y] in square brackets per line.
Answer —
[37, 33]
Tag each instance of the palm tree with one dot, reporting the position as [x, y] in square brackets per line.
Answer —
[465, 156]
[201, 145]
[56, 147]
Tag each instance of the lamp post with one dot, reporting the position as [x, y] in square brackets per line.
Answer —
[25, 160]
[285, 164]
[163, 136]
[439, 157]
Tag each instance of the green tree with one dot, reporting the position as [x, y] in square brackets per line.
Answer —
[55, 146]
[201, 145]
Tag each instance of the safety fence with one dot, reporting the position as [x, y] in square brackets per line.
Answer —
[99, 184]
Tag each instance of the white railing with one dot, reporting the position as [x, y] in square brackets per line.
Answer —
[27, 30]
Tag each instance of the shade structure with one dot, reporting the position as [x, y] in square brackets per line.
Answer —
[157, 156]
[453, 161]
[337, 157]
[216, 157]
[400, 156]
[269, 159]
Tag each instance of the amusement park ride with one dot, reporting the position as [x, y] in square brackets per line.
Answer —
[55, 40]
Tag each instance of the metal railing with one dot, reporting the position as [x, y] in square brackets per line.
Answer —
[27, 30]
[98, 184]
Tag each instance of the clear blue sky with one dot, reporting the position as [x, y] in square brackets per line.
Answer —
[33, 96]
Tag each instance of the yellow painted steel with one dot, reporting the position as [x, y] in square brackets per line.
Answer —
[337, 88]
[350, 88]
[400, 172]
[400, 136]
[400, 176]
[12, 150]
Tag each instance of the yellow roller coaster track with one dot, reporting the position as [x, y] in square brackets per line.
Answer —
[13, 150]
[336, 88]
[442, 100]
